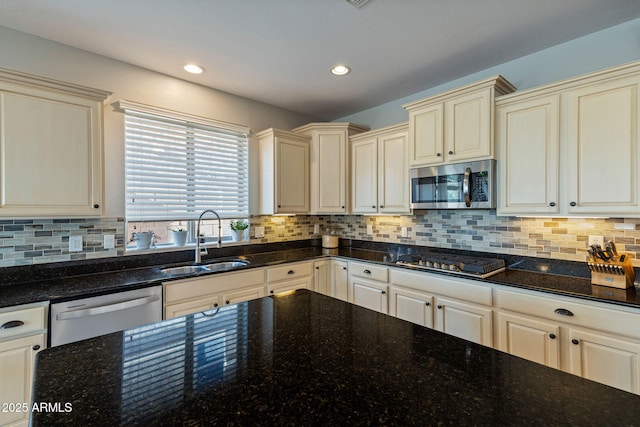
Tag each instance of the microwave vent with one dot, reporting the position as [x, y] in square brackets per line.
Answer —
[357, 3]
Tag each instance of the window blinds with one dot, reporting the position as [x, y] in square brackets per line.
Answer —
[175, 167]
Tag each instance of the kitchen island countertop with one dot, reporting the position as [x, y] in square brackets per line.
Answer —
[308, 359]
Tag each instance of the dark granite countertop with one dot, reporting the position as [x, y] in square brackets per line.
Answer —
[308, 359]
[81, 279]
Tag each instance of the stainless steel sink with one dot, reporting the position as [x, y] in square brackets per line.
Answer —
[187, 269]
[213, 266]
[226, 265]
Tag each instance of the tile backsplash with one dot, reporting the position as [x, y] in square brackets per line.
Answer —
[24, 242]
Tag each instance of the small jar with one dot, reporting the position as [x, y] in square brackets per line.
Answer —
[330, 238]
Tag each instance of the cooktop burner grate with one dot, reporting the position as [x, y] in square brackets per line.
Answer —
[456, 264]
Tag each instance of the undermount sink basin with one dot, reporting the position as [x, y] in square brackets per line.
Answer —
[187, 269]
[213, 266]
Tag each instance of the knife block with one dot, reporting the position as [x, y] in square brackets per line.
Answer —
[617, 273]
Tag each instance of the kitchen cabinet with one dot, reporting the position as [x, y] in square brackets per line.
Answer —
[455, 126]
[586, 339]
[457, 307]
[379, 171]
[369, 286]
[22, 336]
[52, 148]
[329, 165]
[182, 297]
[571, 148]
[289, 277]
[340, 280]
[322, 276]
[284, 172]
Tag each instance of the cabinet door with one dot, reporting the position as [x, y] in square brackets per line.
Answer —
[330, 152]
[528, 153]
[426, 135]
[340, 280]
[463, 320]
[602, 143]
[289, 285]
[604, 359]
[369, 294]
[413, 306]
[393, 174]
[190, 307]
[530, 339]
[51, 154]
[242, 295]
[16, 370]
[292, 176]
[468, 132]
[364, 176]
[322, 277]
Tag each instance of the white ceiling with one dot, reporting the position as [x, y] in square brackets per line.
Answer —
[280, 51]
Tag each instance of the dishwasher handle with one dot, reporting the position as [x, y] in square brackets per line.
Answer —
[106, 308]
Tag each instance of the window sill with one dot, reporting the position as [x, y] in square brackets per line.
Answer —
[188, 247]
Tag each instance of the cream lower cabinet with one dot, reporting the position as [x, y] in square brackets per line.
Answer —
[589, 340]
[369, 286]
[379, 171]
[52, 150]
[340, 280]
[289, 277]
[322, 276]
[453, 306]
[189, 296]
[23, 334]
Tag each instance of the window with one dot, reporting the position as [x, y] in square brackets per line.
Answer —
[177, 166]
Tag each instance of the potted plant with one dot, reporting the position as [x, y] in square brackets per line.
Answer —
[239, 230]
[179, 236]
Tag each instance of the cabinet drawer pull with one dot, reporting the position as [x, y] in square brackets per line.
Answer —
[552, 336]
[36, 347]
[291, 272]
[12, 324]
[575, 341]
[563, 312]
[367, 271]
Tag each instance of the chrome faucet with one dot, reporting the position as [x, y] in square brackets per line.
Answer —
[198, 253]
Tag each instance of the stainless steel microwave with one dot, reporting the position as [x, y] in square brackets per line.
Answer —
[469, 185]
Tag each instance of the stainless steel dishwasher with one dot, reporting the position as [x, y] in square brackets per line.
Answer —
[90, 317]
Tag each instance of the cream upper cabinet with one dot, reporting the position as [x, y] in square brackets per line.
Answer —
[528, 152]
[602, 147]
[379, 171]
[329, 162]
[52, 149]
[571, 148]
[455, 126]
[284, 172]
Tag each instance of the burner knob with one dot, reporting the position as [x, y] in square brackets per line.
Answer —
[421, 262]
[428, 264]
[436, 265]
[453, 267]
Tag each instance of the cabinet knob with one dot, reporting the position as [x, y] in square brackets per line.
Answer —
[344, 268]
[36, 347]
[383, 292]
[552, 204]
[96, 206]
[381, 206]
[552, 336]
[227, 302]
[438, 154]
[440, 306]
[270, 292]
[450, 152]
[573, 204]
[563, 312]
[317, 268]
[343, 207]
[373, 207]
[575, 341]
[215, 305]
[427, 304]
[279, 206]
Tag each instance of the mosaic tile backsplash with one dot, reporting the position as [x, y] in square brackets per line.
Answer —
[24, 242]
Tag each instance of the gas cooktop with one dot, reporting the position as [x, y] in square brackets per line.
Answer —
[457, 264]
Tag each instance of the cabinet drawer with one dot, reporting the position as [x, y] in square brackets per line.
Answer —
[570, 312]
[33, 319]
[369, 271]
[212, 284]
[289, 271]
[454, 288]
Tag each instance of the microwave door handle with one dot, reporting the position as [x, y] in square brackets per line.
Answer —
[466, 187]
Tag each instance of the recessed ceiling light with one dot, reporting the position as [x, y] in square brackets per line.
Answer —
[193, 69]
[340, 70]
